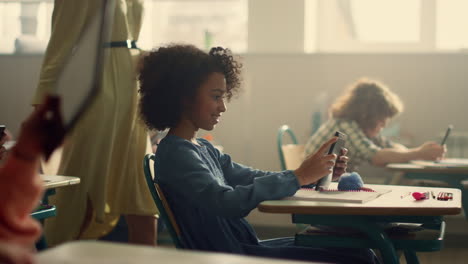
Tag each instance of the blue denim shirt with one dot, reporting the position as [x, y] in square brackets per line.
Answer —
[210, 194]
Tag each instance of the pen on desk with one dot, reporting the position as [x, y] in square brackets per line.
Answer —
[433, 195]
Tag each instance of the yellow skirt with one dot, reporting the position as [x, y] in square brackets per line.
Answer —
[105, 150]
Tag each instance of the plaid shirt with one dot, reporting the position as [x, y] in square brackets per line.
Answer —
[360, 147]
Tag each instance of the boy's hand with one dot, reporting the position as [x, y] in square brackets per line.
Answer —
[431, 151]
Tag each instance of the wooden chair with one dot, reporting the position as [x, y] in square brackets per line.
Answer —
[290, 155]
[161, 203]
[293, 156]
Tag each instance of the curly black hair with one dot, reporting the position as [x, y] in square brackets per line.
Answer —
[171, 74]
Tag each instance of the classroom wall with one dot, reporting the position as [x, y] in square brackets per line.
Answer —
[18, 80]
[283, 89]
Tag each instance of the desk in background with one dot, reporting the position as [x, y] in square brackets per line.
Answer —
[45, 210]
[452, 175]
[54, 181]
[368, 217]
[104, 252]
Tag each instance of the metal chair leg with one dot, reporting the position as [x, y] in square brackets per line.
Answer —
[411, 257]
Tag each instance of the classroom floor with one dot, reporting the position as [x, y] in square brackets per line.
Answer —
[455, 247]
[448, 255]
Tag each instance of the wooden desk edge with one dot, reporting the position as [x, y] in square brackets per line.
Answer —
[424, 169]
[338, 210]
[62, 182]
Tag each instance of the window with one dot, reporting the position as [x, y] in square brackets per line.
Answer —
[327, 25]
[204, 23]
[387, 26]
[385, 21]
[25, 25]
[452, 24]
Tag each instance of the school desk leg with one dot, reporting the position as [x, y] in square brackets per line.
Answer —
[465, 201]
[411, 257]
[41, 244]
[368, 226]
[383, 244]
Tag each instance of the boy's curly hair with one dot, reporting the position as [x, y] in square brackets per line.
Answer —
[172, 74]
[367, 102]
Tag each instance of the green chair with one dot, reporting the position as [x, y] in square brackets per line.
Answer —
[279, 140]
[161, 203]
[41, 213]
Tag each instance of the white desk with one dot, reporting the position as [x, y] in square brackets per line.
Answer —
[452, 175]
[388, 204]
[54, 181]
[389, 208]
[104, 252]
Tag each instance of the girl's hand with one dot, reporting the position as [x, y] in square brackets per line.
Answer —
[341, 165]
[316, 165]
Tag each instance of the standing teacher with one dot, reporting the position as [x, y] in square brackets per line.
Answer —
[106, 148]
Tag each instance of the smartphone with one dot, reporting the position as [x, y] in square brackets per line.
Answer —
[447, 133]
[2, 131]
[335, 148]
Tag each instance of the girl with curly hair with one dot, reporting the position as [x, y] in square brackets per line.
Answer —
[185, 89]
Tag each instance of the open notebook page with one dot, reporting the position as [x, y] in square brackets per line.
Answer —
[306, 194]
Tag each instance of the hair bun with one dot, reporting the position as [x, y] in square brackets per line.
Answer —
[219, 51]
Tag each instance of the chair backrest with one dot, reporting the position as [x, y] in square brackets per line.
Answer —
[160, 200]
[293, 156]
[279, 140]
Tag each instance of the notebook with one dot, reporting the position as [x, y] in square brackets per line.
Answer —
[308, 194]
[448, 162]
